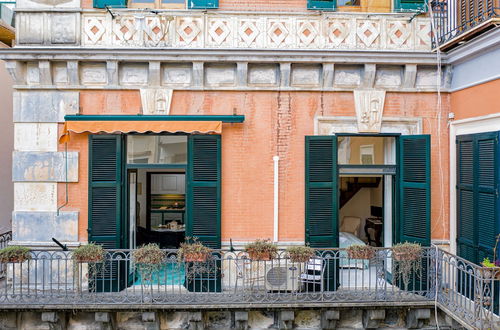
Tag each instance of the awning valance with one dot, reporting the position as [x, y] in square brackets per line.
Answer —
[141, 126]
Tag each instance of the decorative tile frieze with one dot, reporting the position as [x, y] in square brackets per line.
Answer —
[44, 166]
[214, 30]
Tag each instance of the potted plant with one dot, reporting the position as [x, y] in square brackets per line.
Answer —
[407, 251]
[15, 254]
[490, 270]
[358, 251]
[193, 251]
[300, 253]
[149, 258]
[261, 250]
[407, 261]
[90, 253]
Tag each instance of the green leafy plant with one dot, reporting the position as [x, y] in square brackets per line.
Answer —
[193, 251]
[15, 254]
[300, 253]
[407, 259]
[89, 253]
[358, 251]
[148, 258]
[261, 249]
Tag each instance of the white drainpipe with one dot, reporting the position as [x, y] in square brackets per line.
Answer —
[276, 197]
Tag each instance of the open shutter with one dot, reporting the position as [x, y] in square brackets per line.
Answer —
[204, 191]
[410, 5]
[478, 204]
[321, 4]
[414, 194]
[465, 198]
[203, 4]
[321, 192]
[105, 187]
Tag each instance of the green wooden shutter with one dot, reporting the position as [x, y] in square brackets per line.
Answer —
[321, 4]
[414, 192]
[203, 4]
[204, 191]
[110, 3]
[321, 192]
[410, 5]
[478, 204]
[105, 214]
[465, 198]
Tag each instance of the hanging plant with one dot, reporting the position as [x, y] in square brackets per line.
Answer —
[261, 250]
[149, 258]
[90, 253]
[15, 254]
[193, 251]
[407, 261]
[300, 253]
[358, 251]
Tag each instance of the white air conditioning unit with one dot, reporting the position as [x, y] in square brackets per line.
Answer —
[284, 277]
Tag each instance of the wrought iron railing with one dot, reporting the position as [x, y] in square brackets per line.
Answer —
[52, 278]
[5, 238]
[454, 18]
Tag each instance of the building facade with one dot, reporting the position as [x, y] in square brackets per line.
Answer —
[326, 123]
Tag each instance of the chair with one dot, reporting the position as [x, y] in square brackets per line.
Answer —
[351, 225]
[313, 277]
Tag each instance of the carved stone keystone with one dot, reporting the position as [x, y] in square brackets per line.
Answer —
[369, 106]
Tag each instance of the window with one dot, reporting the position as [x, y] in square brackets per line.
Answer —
[366, 150]
[156, 149]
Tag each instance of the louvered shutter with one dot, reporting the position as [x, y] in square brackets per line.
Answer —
[411, 5]
[203, 4]
[110, 3]
[204, 191]
[465, 198]
[321, 192]
[105, 216]
[478, 204]
[321, 4]
[414, 192]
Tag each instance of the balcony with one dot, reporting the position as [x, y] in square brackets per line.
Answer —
[459, 21]
[51, 279]
[129, 28]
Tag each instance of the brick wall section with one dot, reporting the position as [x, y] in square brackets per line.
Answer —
[276, 123]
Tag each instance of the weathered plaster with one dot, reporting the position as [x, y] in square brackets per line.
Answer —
[35, 196]
[44, 106]
[42, 226]
[35, 137]
[45, 166]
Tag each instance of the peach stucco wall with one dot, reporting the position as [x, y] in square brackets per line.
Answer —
[479, 100]
[275, 124]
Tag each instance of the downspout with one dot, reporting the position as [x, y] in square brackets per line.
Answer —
[276, 198]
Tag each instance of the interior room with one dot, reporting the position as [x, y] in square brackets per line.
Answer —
[157, 189]
[361, 209]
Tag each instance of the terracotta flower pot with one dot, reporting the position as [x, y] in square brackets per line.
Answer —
[195, 257]
[300, 258]
[365, 254]
[263, 256]
[404, 256]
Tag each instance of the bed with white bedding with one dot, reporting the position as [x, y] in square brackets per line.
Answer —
[346, 240]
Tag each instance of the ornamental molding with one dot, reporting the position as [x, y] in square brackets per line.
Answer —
[369, 105]
[170, 29]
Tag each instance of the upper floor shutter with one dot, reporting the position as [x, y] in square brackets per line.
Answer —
[110, 3]
[203, 4]
[321, 4]
[410, 5]
[414, 193]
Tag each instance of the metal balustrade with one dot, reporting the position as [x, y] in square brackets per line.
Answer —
[5, 238]
[52, 278]
[456, 19]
